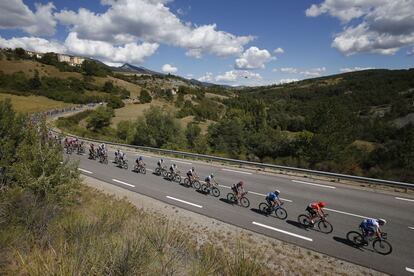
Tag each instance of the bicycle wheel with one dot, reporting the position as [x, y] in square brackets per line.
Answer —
[143, 170]
[382, 247]
[304, 220]
[325, 226]
[164, 173]
[244, 201]
[281, 213]
[355, 237]
[196, 184]
[263, 207]
[125, 165]
[215, 192]
[168, 175]
[231, 197]
[204, 188]
[187, 182]
[157, 171]
[177, 178]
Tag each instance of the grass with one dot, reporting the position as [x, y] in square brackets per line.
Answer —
[101, 235]
[29, 66]
[28, 104]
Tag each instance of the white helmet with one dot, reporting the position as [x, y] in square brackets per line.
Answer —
[382, 221]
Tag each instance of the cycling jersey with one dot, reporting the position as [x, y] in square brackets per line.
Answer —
[314, 206]
[190, 173]
[208, 179]
[370, 225]
[272, 196]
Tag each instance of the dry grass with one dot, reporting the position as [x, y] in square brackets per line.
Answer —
[28, 104]
[104, 236]
[134, 89]
[130, 112]
[28, 67]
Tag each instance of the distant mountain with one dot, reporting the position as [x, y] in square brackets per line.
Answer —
[129, 68]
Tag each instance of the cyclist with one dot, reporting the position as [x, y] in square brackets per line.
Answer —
[160, 163]
[140, 161]
[238, 189]
[117, 155]
[209, 179]
[173, 168]
[191, 174]
[92, 150]
[370, 226]
[272, 198]
[315, 209]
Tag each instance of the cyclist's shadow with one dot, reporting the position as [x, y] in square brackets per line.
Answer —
[297, 224]
[350, 243]
[225, 200]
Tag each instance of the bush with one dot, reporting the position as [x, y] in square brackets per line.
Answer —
[145, 97]
[100, 118]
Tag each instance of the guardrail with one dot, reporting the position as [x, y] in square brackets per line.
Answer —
[255, 164]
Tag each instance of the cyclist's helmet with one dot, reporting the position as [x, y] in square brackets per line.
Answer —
[193, 169]
[241, 183]
[321, 204]
[382, 221]
[140, 158]
[212, 175]
[277, 192]
[162, 160]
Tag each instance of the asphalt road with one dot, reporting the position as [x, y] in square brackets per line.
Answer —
[346, 206]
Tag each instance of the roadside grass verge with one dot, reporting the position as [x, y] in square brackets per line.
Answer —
[101, 235]
[29, 104]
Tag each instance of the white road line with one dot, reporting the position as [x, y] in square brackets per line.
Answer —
[345, 213]
[227, 170]
[405, 199]
[410, 269]
[282, 231]
[411, 227]
[186, 202]
[187, 163]
[224, 186]
[122, 182]
[150, 170]
[85, 171]
[314, 184]
[254, 193]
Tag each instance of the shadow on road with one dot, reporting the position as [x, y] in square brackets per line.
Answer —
[258, 211]
[347, 242]
[297, 224]
[225, 200]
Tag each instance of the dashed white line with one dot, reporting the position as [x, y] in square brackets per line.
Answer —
[122, 182]
[187, 163]
[150, 170]
[345, 213]
[282, 231]
[228, 187]
[411, 227]
[228, 170]
[85, 171]
[409, 269]
[405, 199]
[314, 184]
[186, 202]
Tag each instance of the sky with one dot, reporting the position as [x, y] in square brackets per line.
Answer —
[228, 42]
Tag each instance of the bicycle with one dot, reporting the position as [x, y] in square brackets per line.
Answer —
[324, 226]
[161, 171]
[280, 212]
[122, 163]
[213, 190]
[174, 176]
[140, 169]
[103, 158]
[193, 183]
[243, 201]
[379, 244]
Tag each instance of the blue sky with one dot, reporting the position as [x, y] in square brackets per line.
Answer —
[229, 42]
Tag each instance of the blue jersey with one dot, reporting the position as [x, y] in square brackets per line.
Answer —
[272, 196]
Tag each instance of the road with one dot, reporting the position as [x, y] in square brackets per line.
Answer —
[346, 206]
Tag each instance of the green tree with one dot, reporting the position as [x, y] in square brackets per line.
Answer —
[191, 133]
[144, 96]
[35, 82]
[100, 118]
[108, 87]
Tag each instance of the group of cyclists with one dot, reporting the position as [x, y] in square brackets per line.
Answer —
[73, 144]
[99, 152]
[369, 226]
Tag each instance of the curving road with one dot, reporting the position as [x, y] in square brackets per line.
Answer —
[346, 207]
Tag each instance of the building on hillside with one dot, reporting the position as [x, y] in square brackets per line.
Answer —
[34, 54]
[71, 60]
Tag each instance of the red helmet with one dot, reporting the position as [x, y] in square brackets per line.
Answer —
[241, 183]
[321, 204]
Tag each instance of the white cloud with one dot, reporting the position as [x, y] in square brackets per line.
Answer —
[169, 69]
[278, 51]
[284, 81]
[289, 70]
[33, 44]
[208, 77]
[16, 15]
[353, 69]
[130, 52]
[380, 26]
[151, 20]
[313, 72]
[235, 75]
[410, 52]
[253, 58]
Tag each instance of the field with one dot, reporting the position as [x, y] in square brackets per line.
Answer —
[32, 103]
